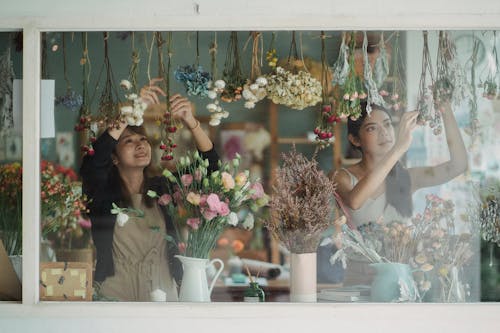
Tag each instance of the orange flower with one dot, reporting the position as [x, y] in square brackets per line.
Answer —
[223, 242]
[237, 246]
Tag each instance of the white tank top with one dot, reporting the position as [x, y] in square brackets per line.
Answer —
[372, 209]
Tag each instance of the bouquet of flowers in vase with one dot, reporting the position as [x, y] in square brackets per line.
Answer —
[11, 207]
[62, 204]
[428, 242]
[202, 205]
[301, 204]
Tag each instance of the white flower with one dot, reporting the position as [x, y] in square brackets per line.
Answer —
[211, 107]
[249, 105]
[220, 84]
[212, 94]
[217, 115]
[232, 219]
[225, 114]
[261, 81]
[131, 97]
[121, 219]
[125, 84]
[248, 222]
[214, 122]
[127, 109]
[254, 87]
[247, 94]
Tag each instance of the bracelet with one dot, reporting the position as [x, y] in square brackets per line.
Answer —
[195, 126]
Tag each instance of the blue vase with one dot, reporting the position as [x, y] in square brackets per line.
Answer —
[393, 282]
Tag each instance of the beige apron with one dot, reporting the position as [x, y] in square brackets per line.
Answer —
[140, 258]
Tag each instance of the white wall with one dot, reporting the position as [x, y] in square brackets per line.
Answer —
[35, 16]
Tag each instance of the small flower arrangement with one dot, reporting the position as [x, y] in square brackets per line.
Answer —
[132, 114]
[216, 111]
[203, 205]
[62, 204]
[254, 92]
[301, 204]
[296, 91]
[194, 79]
[427, 242]
[11, 207]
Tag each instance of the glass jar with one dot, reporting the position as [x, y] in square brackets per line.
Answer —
[254, 293]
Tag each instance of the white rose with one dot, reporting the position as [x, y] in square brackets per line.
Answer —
[125, 84]
[249, 105]
[261, 81]
[214, 122]
[232, 219]
[217, 115]
[212, 94]
[132, 96]
[248, 222]
[247, 94]
[121, 219]
[225, 114]
[254, 87]
[220, 84]
[127, 109]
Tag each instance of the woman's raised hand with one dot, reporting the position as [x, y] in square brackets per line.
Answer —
[149, 93]
[404, 136]
[181, 108]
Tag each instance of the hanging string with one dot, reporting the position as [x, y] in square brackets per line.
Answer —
[341, 66]
[68, 86]
[473, 129]
[381, 67]
[255, 66]
[134, 66]
[213, 57]
[302, 53]
[324, 69]
[150, 54]
[371, 87]
[197, 49]
[292, 52]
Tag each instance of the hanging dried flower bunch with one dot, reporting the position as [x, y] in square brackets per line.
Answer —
[381, 67]
[296, 89]
[84, 124]
[254, 89]
[216, 89]
[352, 91]
[473, 128]
[6, 80]
[71, 100]
[444, 85]
[341, 67]
[194, 78]
[327, 117]
[232, 73]
[168, 125]
[371, 87]
[394, 93]
[301, 204]
[491, 86]
[425, 104]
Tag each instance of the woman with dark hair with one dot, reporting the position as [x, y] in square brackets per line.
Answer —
[134, 261]
[379, 184]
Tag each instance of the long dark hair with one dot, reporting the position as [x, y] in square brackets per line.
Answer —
[116, 179]
[398, 182]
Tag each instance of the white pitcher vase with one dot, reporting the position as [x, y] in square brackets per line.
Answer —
[194, 286]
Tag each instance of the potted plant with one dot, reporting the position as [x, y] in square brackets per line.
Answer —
[63, 206]
[11, 212]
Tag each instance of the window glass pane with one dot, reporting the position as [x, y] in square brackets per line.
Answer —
[11, 165]
[132, 191]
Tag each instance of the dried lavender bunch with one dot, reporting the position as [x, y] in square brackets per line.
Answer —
[301, 204]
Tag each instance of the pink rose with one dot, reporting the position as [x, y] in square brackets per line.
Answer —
[186, 179]
[208, 214]
[165, 199]
[193, 222]
[203, 200]
[213, 202]
[223, 209]
[258, 191]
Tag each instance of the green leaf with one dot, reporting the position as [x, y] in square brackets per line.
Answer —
[152, 194]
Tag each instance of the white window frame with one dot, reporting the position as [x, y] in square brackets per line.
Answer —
[206, 15]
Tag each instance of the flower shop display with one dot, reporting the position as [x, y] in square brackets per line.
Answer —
[428, 244]
[11, 207]
[351, 85]
[254, 89]
[62, 208]
[193, 77]
[294, 88]
[301, 209]
[202, 205]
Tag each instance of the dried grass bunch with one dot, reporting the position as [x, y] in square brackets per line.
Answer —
[301, 204]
